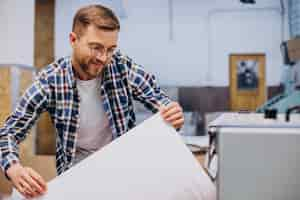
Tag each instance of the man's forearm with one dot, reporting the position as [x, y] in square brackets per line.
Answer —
[8, 152]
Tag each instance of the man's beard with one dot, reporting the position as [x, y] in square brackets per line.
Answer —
[85, 68]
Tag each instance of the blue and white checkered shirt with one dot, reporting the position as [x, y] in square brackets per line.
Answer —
[55, 91]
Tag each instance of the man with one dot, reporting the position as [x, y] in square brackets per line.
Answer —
[89, 97]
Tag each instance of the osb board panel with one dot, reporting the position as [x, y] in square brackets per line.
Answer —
[5, 102]
[43, 55]
[5, 105]
[45, 165]
[5, 185]
[26, 78]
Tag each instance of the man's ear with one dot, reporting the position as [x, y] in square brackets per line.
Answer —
[73, 38]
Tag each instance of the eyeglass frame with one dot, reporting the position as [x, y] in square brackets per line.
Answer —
[101, 51]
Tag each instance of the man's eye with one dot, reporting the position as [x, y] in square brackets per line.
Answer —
[96, 48]
[111, 50]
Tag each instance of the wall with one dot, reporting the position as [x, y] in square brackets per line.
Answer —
[204, 34]
[16, 35]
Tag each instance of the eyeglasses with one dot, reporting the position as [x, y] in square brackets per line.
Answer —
[97, 50]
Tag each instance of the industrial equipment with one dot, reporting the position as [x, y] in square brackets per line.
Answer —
[256, 157]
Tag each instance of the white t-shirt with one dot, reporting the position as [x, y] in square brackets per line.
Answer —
[94, 131]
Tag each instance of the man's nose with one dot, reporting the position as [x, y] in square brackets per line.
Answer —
[102, 57]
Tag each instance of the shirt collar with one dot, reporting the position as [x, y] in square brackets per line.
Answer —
[72, 78]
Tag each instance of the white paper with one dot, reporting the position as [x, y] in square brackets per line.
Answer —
[149, 162]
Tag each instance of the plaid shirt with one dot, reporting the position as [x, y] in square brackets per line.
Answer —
[54, 90]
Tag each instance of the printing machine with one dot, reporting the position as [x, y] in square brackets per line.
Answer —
[255, 156]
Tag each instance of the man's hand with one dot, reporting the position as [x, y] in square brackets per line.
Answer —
[173, 114]
[28, 182]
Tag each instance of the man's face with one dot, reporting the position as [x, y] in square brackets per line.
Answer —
[93, 50]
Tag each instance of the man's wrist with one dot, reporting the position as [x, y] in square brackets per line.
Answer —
[9, 166]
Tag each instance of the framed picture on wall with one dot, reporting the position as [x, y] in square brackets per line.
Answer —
[247, 74]
[247, 80]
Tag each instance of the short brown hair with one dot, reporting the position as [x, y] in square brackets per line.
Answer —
[97, 15]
